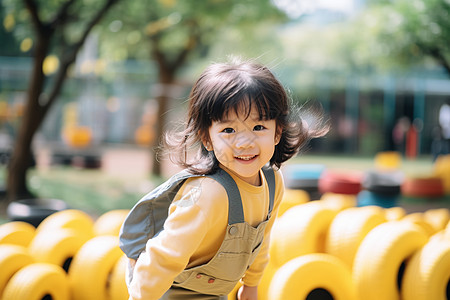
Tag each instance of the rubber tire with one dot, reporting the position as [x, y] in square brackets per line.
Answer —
[292, 198]
[426, 187]
[301, 230]
[12, 259]
[380, 256]
[339, 182]
[58, 246]
[387, 160]
[419, 219]
[438, 218]
[266, 279]
[349, 228]
[300, 276]
[17, 233]
[110, 222]
[117, 287]
[91, 267]
[37, 280]
[383, 183]
[338, 202]
[69, 219]
[441, 167]
[427, 273]
[233, 295]
[394, 213]
[368, 198]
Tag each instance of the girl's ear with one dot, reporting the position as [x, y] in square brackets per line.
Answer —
[207, 144]
[278, 135]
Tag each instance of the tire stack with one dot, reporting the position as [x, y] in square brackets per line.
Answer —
[380, 188]
[68, 256]
[320, 251]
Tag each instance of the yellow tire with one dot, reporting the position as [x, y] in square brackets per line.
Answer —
[394, 213]
[427, 273]
[419, 219]
[348, 230]
[307, 275]
[292, 198]
[92, 267]
[233, 295]
[441, 167]
[379, 259]
[266, 279]
[387, 160]
[446, 231]
[12, 259]
[110, 222]
[36, 281]
[338, 201]
[17, 233]
[68, 219]
[438, 218]
[301, 230]
[117, 287]
[58, 246]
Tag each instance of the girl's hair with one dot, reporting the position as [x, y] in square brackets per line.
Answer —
[235, 86]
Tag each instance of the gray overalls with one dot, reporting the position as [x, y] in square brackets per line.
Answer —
[239, 249]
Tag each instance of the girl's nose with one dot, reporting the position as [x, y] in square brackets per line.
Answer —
[245, 139]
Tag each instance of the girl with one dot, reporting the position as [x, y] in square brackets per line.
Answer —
[239, 120]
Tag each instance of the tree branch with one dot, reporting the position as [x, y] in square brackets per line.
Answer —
[34, 12]
[71, 54]
[191, 43]
[61, 14]
[437, 54]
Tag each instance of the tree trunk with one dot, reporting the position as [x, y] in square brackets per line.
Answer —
[33, 115]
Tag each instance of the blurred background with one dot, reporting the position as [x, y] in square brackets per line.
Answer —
[88, 86]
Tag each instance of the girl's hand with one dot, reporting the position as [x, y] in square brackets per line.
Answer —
[248, 293]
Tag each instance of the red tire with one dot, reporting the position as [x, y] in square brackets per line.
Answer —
[423, 187]
[340, 182]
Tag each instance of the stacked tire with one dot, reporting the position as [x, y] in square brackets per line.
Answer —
[333, 252]
[68, 256]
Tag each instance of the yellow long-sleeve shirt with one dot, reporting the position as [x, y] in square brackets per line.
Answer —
[194, 231]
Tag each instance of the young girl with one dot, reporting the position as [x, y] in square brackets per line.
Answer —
[239, 121]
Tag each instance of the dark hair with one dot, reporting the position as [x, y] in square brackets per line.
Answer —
[238, 85]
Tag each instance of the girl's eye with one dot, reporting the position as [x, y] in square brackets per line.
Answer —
[228, 130]
[258, 128]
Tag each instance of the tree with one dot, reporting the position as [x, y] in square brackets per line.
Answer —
[426, 28]
[405, 34]
[172, 32]
[60, 28]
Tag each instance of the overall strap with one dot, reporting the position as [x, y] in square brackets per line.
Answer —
[270, 178]
[235, 208]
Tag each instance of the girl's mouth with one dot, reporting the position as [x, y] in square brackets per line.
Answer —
[245, 158]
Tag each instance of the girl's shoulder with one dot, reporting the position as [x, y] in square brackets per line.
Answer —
[207, 191]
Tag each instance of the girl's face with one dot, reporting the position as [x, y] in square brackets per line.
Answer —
[243, 145]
